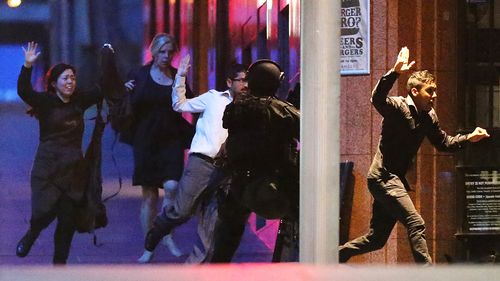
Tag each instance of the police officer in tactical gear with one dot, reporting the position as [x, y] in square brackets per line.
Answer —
[261, 158]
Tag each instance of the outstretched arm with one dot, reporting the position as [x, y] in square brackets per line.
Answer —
[477, 135]
[444, 142]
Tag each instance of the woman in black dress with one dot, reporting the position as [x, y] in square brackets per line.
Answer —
[53, 189]
[159, 135]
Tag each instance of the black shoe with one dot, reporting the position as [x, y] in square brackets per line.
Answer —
[24, 245]
[56, 261]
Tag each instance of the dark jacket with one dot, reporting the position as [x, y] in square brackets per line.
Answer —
[403, 130]
[262, 156]
[262, 133]
[155, 112]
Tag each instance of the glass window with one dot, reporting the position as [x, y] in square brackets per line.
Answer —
[482, 63]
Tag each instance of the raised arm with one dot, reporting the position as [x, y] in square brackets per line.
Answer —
[402, 64]
[179, 101]
[379, 95]
[30, 54]
[91, 96]
[24, 87]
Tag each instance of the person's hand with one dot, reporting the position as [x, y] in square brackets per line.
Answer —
[184, 66]
[107, 45]
[402, 64]
[478, 134]
[130, 85]
[30, 54]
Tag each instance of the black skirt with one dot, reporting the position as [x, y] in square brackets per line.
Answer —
[156, 163]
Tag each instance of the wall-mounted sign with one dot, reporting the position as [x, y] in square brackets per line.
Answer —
[482, 200]
[355, 37]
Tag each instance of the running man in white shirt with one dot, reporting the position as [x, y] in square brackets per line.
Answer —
[193, 193]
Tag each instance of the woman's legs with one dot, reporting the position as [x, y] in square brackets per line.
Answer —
[65, 230]
[40, 219]
[63, 234]
[44, 200]
[148, 213]
[36, 226]
[148, 207]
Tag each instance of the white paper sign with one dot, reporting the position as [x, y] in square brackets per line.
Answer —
[355, 37]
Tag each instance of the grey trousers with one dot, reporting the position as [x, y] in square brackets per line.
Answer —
[194, 196]
[391, 204]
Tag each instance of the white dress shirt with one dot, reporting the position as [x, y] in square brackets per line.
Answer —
[209, 134]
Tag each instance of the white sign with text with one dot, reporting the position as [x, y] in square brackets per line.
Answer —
[355, 37]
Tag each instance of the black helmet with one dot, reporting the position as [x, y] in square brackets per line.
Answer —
[264, 77]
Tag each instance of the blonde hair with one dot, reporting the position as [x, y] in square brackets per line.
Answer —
[159, 40]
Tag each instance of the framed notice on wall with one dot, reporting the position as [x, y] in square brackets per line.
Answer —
[355, 37]
[482, 200]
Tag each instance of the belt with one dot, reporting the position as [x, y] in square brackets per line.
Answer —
[203, 156]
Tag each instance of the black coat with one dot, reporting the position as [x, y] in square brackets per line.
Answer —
[59, 152]
[158, 134]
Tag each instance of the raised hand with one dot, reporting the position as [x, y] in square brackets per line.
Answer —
[402, 64]
[478, 134]
[184, 66]
[30, 54]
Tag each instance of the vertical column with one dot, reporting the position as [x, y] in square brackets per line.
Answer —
[65, 30]
[222, 44]
[83, 39]
[201, 39]
[319, 181]
[59, 31]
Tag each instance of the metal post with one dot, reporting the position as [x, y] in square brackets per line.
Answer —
[319, 167]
